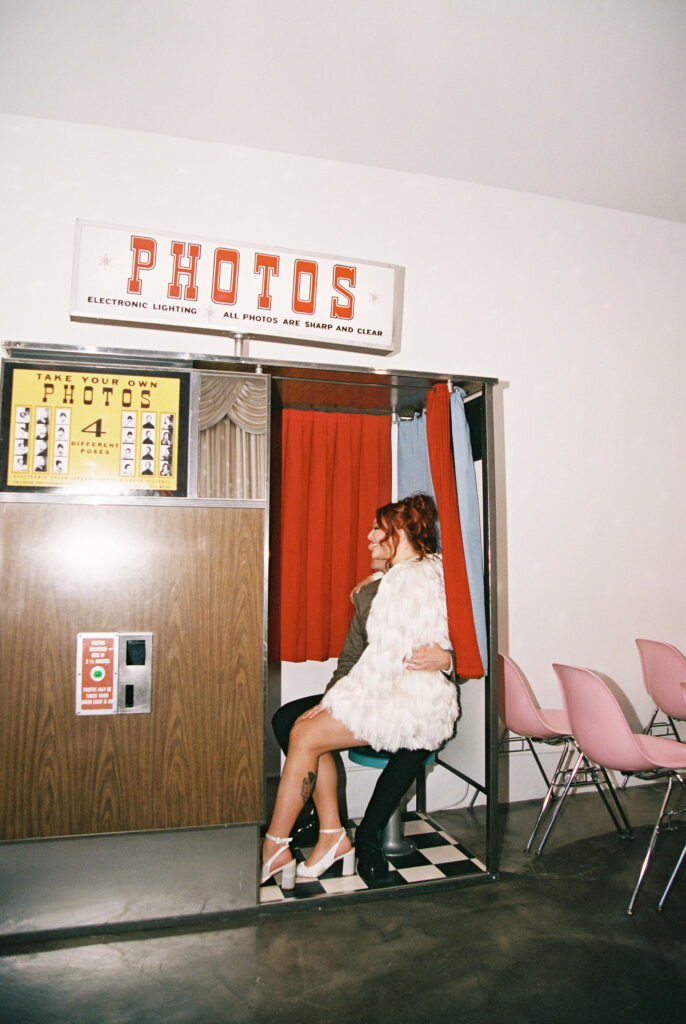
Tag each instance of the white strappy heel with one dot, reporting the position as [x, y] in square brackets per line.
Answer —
[330, 857]
[287, 870]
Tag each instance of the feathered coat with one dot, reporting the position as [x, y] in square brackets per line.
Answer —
[380, 700]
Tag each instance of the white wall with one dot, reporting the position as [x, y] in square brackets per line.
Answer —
[580, 311]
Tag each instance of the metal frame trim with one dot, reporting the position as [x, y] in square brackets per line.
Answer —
[491, 680]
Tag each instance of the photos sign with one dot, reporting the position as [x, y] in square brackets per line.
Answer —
[156, 279]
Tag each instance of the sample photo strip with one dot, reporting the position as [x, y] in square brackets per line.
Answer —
[60, 452]
[20, 452]
[128, 443]
[41, 440]
[166, 444]
[148, 438]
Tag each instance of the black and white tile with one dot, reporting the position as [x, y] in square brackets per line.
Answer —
[438, 856]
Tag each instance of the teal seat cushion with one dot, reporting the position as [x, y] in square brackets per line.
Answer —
[371, 758]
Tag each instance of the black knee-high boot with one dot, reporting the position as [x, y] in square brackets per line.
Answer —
[391, 787]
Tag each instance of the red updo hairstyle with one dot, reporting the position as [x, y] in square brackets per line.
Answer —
[416, 515]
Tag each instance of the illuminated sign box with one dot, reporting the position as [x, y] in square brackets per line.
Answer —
[156, 279]
[93, 431]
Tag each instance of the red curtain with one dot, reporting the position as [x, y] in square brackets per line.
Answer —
[335, 473]
[460, 615]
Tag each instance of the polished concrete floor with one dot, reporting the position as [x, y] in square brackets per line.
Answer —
[549, 942]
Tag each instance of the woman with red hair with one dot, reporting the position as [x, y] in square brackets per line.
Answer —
[379, 702]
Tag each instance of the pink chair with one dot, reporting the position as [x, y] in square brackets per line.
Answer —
[520, 713]
[664, 675]
[603, 733]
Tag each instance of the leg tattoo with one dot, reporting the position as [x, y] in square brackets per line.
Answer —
[308, 786]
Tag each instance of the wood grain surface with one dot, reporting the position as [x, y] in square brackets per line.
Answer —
[194, 577]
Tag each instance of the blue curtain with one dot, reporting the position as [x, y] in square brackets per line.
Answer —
[414, 475]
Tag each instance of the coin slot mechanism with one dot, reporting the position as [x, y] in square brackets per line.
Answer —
[135, 674]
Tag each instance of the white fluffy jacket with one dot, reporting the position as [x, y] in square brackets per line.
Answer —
[381, 701]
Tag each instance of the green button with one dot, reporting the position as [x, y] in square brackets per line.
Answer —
[97, 674]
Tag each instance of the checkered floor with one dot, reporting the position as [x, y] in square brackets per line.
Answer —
[437, 856]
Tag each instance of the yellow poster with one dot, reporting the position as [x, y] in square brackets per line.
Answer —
[95, 431]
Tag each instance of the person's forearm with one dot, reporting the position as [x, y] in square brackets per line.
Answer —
[431, 658]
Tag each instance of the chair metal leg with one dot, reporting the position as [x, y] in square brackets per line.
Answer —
[556, 812]
[670, 722]
[651, 845]
[619, 818]
[665, 894]
[674, 729]
[538, 761]
[550, 794]
[502, 746]
[626, 830]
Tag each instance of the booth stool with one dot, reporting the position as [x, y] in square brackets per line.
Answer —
[394, 842]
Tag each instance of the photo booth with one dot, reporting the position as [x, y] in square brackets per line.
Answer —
[146, 612]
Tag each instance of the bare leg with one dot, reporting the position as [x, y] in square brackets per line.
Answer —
[325, 795]
[325, 798]
[310, 740]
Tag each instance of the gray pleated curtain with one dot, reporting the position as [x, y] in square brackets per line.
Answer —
[232, 453]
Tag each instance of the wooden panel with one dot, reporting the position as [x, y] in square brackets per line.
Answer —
[191, 576]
